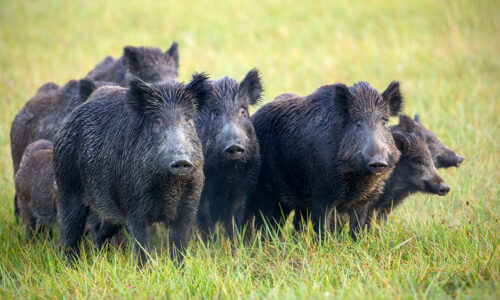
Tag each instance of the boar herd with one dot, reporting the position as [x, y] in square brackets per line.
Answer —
[129, 146]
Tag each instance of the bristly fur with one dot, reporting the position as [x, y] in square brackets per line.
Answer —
[43, 114]
[113, 155]
[222, 122]
[314, 156]
[442, 155]
[149, 98]
[415, 171]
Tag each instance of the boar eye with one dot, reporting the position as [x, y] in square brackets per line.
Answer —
[187, 119]
[384, 122]
[418, 160]
[243, 112]
[358, 123]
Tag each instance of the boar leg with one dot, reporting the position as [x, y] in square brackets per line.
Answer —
[300, 218]
[383, 213]
[16, 207]
[73, 214]
[206, 224]
[320, 216]
[235, 215]
[138, 231]
[180, 232]
[357, 220]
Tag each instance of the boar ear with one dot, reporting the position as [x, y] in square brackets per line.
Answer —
[394, 98]
[401, 141]
[200, 89]
[173, 52]
[131, 55]
[87, 87]
[343, 97]
[141, 96]
[417, 118]
[406, 124]
[251, 85]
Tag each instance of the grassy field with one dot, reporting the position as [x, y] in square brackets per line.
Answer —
[445, 53]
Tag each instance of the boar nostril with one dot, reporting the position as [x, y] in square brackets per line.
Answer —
[377, 166]
[443, 189]
[180, 167]
[234, 151]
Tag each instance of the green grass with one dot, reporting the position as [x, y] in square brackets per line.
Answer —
[445, 53]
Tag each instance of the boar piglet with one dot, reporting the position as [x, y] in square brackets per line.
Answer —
[146, 63]
[37, 195]
[442, 155]
[43, 114]
[331, 149]
[231, 151]
[133, 157]
[415, 171]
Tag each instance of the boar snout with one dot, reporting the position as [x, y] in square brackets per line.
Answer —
[437, 186]
[180, 167]
[233, 141]
[377, 166]
[375, 153]
[443, 189]
[234, 151]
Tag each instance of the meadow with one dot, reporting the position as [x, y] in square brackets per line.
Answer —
[444, 53]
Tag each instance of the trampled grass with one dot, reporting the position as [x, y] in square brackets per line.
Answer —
[445, 53]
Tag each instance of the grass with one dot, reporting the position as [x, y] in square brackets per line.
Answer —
[445, 53]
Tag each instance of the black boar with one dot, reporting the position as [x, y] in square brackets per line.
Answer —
[442, 156]
[415, 171]
[331, 149]
[34, 182]
[232, 157]
[133, 157]
[42, 115]
[148, 64]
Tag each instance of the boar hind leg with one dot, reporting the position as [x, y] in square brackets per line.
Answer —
[31, 228]
[106, 231]
[73, 214]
